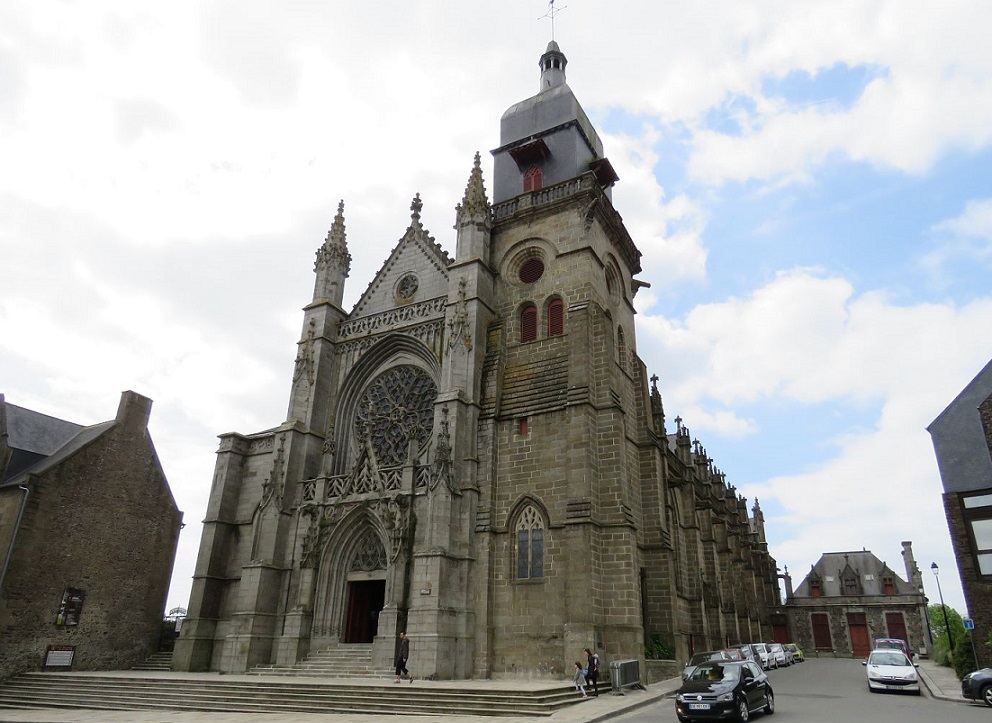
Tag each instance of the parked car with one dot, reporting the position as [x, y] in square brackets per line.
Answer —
[765, 657]
[783, 657]
[702, 657]
[748, 652]
[889, 669]
[733, 653]
[893, 644]
[977, 685]
[718, 690]
[797, 652]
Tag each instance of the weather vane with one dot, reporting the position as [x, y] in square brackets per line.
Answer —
[552, 11]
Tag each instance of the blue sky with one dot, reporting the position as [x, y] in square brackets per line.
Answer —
[809, 184]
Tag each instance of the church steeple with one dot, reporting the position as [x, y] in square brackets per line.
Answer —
[333, 263]
[552, 67]
[547, 139]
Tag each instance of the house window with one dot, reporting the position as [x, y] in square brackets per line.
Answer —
[533, 178]
[556, 318]
[522, 428]
[528, 323]
[978, 522]
[895, 623]
[851, 586]
[888, 586]
[531, 270]
[820, 623]
[815, 588]
[621, 346]
[530, 544]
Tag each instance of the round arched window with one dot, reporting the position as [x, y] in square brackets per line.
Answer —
[531, 270]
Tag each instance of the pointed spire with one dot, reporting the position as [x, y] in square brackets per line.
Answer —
[475, 204]
[334, 251]
[333, 262]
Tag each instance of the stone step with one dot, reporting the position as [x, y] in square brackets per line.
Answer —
[156, 661]
[270, 695]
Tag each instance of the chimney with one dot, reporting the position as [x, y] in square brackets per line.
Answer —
[134, 410]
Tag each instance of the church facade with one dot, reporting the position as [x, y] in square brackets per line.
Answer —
[474, 454]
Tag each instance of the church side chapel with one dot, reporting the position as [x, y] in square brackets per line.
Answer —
[474, 454]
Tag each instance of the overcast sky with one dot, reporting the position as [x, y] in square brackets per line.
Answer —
[809, 183]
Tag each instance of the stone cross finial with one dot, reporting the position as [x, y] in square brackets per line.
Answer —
[416, 206]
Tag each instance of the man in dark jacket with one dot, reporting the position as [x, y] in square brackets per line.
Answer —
[401, 657]
[592, 668]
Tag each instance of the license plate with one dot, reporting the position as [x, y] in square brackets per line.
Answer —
[699, 706]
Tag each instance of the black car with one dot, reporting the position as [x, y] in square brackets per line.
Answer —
[724, 690]
[978, 686]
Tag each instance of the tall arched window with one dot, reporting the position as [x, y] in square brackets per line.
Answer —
[556, 318]
[528, 323]
[530, 544]
[533, 179]
[621, 347]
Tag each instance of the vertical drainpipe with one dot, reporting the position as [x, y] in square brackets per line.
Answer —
[13, 536]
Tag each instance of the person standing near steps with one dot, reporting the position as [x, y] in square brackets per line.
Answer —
[592, 671]
[401, 657]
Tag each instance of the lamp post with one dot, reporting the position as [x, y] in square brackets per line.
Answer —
[947, 624]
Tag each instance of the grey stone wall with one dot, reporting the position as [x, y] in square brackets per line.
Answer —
[103, 521]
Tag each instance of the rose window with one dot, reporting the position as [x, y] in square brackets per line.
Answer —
[395, 410]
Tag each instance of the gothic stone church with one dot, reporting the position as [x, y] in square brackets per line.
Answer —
[473, 454]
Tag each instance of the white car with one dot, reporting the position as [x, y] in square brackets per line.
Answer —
[783, 656]
[767, 659]
[891, 670]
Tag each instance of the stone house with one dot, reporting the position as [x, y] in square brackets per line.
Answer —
[88, 535]
[962, 440]
[474, 453]
[850, 598]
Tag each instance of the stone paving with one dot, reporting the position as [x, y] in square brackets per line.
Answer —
[592, 710]
[941, 682]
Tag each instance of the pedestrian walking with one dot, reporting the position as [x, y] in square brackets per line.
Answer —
[592, 671]
[580, 679]
[402, 656]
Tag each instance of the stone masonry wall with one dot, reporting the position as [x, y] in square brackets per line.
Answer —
[103, 521]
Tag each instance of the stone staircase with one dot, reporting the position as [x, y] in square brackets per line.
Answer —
[156, 661]
[262, 694]
[343, 660]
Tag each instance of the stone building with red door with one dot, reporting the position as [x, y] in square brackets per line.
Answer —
[850, 598]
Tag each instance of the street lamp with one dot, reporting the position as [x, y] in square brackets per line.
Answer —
[947, 624]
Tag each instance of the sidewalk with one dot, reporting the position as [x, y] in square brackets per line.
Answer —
[943, 683]
[593, 710]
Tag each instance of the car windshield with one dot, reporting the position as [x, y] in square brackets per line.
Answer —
[716, 673]
[886, 657]
[703, 657]
[791, 648]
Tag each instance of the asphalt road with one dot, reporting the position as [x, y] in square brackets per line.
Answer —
[828, 691]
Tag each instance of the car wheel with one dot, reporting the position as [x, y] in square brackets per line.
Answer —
[769, 702]
[987, 694]
[743, 714]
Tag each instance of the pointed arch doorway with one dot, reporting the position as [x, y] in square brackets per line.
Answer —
[365, 588]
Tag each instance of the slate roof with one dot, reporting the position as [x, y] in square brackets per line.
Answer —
[38, 441]
[870, 572]
[959, 439]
